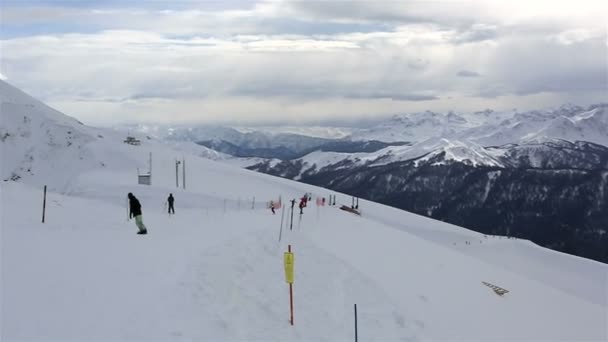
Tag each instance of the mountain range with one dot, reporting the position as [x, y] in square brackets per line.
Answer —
[539, 174]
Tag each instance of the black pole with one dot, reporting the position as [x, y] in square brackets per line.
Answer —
[44, 204]
[356, 333]
[177, 174]
[293, 202]
[357, 206]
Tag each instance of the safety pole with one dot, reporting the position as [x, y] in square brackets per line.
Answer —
[184, 173]
[177, 174]
[293, 202]
[281, 231]
[150, 168]
[290, 295]
[44, 204]
[356, 333]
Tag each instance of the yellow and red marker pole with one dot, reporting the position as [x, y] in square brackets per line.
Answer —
[288, 260]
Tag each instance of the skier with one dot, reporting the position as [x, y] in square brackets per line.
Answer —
[272, 207]
[170, 200]
[302, 205]
[135, 210]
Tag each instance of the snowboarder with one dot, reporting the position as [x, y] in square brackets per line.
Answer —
[272, 207]
[302, 205]
[135, 211]
[170, 200]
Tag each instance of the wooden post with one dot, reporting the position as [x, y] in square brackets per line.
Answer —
[44, 204]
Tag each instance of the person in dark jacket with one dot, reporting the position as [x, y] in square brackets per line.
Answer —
[170, 200]
[135, 211]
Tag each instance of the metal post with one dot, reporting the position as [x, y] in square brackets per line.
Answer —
[293, 202]
[177, 174]
[184, 173]
[253, 203]
[356, 332]
[150, 168]
[290, 295]
[281, 231]
[44, 204]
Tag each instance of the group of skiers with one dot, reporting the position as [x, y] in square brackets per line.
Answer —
[135, 211]
[135, 208]
[303, 202]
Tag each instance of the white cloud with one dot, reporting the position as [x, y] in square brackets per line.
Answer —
[279, 61]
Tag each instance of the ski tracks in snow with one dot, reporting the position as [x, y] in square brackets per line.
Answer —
[237, 291]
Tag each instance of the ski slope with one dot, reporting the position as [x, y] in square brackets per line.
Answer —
[214, 270]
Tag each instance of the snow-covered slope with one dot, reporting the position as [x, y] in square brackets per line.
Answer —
[214, 270]
[38, 140]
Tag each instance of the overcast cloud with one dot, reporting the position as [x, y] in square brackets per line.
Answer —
[105, 62]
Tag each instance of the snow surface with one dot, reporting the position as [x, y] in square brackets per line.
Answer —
[214, 270]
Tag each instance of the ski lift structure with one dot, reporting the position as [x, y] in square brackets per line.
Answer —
[132, 141]
[145, 179]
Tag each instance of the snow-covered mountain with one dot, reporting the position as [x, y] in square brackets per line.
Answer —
[246, 139]
[37, 141]
[414, 127]
[534, 187]
[488, 128]
[326, 132]
[214, 270]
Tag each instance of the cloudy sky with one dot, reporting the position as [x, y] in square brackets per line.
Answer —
[109, 61]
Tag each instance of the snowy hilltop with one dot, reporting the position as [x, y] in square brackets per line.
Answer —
[214, 270]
